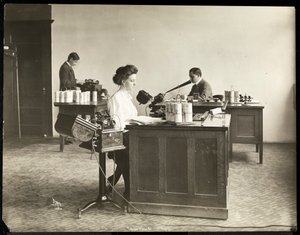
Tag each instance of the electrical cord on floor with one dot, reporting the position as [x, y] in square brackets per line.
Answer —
[113, 187]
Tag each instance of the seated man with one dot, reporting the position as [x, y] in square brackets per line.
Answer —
[201, 86]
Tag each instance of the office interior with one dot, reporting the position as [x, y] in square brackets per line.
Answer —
[246, 49]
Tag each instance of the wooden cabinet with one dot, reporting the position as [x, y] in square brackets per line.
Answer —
[179, 170]
[247, 126]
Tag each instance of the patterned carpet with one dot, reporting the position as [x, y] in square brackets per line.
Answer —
[261, 197]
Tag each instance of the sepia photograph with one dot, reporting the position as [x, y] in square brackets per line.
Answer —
[148, 118]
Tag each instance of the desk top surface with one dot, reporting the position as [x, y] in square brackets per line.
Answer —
[218, 121]
[220, 104]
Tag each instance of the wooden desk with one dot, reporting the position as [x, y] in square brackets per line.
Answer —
[246, 123]
[180, 170]
[84, 109]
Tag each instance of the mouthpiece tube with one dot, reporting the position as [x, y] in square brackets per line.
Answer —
[181, 85]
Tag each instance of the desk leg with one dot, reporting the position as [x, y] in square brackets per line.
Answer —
[261, 143]
[100, 199]
[230, 144]
[61, 143]
[102, 160]
[261, 153]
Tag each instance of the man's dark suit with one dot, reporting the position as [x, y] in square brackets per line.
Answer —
[203, 89]
[67, 77]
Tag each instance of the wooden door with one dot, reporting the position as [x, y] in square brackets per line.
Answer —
[30, 75]
[33, 42]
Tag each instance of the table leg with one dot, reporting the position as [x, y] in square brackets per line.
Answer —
[101, 196]
[257, 146]
[230, 144]
[61, 143]
[230, 152]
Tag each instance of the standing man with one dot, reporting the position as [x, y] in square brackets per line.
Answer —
[67, 80]
[66, 73]
[201, 87]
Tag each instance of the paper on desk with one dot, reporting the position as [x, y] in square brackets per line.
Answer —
[144, 120]
[216, 111]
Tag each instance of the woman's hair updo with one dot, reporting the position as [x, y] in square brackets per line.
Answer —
[123, 73]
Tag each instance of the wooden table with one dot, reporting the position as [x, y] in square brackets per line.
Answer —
[180, 170]
[101, 198]
[89, 108]
[104, 146]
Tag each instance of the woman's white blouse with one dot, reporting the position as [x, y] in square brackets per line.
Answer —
[121, 108]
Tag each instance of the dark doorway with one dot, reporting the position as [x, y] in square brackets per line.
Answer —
[27, 29]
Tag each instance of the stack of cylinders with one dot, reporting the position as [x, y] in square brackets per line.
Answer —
[76, 96]
[187, 112]
[81, 97]
[232, 96]
[84, 97]
[227, 96]
[167, 110]
[177, 111]
[94, 96]
[88, 96]
[62, 97]
[56, 96]
[171, 114]
[68, 96]
[236, 96]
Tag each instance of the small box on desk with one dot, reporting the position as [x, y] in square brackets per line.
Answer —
[107, 140]
[111, 139]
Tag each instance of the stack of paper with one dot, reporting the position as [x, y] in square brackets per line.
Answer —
[144, 120]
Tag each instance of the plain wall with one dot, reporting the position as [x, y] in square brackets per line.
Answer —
[249, 48]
